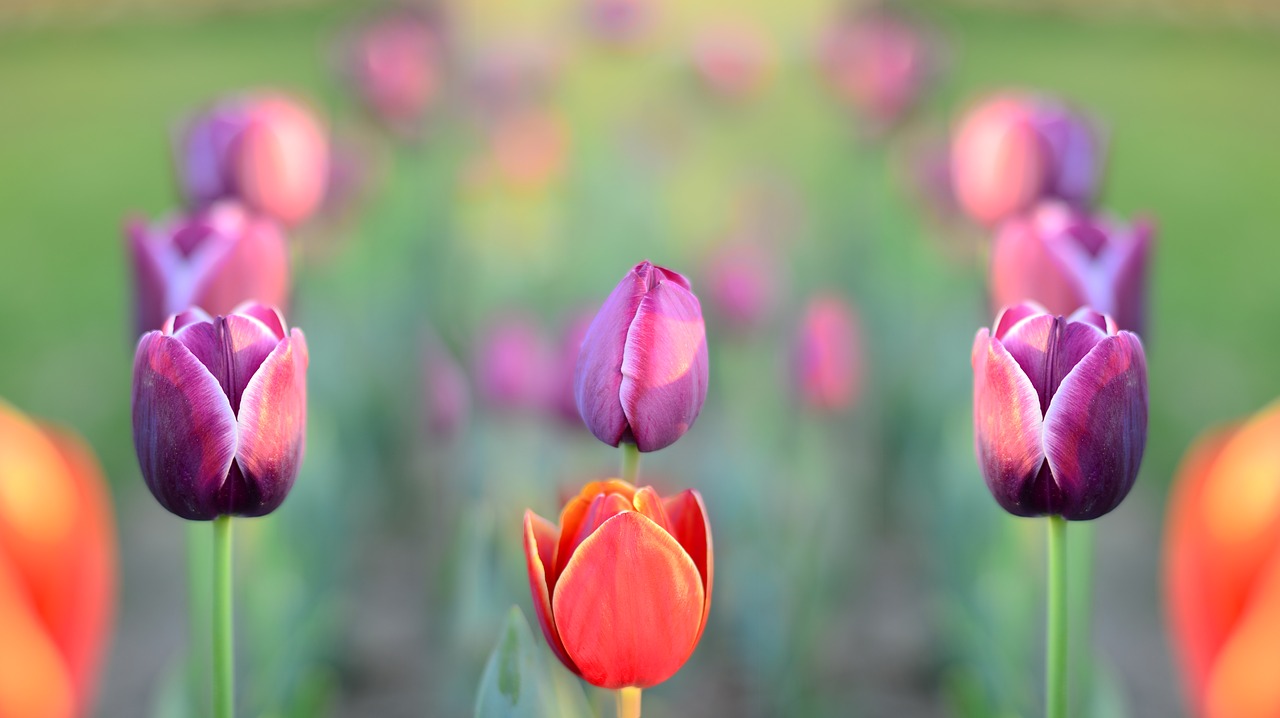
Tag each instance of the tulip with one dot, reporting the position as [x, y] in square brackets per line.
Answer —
[1065, 259]
[642, 372]
[512, 360]
[622, 586]
[219, 412]
[618, 21]
[879, 63]
[733, 60]
[393, 65]
[216, 259]
[266, 150]
[1222, 569]
[1011, 151]
[57, 570]
[1060, 412]
[741, 285]
[826, 360]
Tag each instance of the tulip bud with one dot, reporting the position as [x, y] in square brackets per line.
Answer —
[393, 65]
[219, 412]
[57, 570]
[741, 285]
[1065, 259]
[1060, 411]
[622, 587]
[879, 63]
[218, 258]
[266, 150]
[1222, 569]
[1013, 150]
[734, 61]
[826, 359]
[512, 361]
[642, 373]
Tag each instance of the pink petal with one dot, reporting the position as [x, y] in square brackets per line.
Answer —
[272, 418]
[1007, 426]
[598, 377]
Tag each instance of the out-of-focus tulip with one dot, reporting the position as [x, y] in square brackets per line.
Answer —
[1066, 259]
[741, 285]
[393, 64]
[1012, 150]
[511, 364]
[618, 21]
[642, 372]
[1222, 569]
[57, 570]
[528, 148]
[563, 403]
[219, 412]
[1060, 411]
[265, 149]
[735, 61]
[446, 396]
[622, 587]
[217, 259]
[826, 358]
[879, 63]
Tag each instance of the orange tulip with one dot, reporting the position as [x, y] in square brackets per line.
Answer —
[1222, 569]
[622, 587]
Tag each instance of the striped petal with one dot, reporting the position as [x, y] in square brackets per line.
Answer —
[272, 420]
[1008, 427]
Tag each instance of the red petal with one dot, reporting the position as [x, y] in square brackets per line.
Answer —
[539, 542]
[691, 527]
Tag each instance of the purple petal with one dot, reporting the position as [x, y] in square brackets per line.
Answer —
[1007, 427]
[1096, 427]
[1026, 265]
[267, 314]
[1047, 347]
[183, 428]
[232, 348]
[183, 319]
[273, 417]
[664, 366]
[1011, 315]
[1131, 278]
[148, 278]
[598, 378]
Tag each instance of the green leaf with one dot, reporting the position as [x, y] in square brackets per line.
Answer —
[518, 682]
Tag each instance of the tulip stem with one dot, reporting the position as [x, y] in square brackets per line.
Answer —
[629, 701]
[1056, 642]
[223, 651]
[630, 467]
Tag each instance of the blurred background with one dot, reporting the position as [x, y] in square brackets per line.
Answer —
[862, 567]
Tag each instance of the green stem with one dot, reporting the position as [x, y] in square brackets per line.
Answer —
[629, 702]
[223, 650]
[630, 462]
[1056, 642]
[1080, 615]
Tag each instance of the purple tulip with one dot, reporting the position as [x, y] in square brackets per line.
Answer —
[642, 372]
[1066, 259]
[1060, 411]
[216, 259]
[219, 412]
[512, 360]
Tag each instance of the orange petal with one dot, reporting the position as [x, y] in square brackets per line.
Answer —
[583, 514]
[629, 604]
[1243, 682]
[539, 538]
[34, 681]
[648, 502]
[691, 527]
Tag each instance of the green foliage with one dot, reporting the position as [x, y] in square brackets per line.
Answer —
[521, 680]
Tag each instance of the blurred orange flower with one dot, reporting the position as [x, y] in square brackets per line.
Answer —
[1222, 569]
[57, 570]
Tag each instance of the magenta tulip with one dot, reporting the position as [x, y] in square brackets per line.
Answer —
[216, 259]
[642, 373]
[219, 412]
[511, 364]
[393, 65]
[1065, 259]
[880, 64]
[741, 285]
[1060, 412]
[826, 359]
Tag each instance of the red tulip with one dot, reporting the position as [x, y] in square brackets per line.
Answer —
[622, 586]
[57, 570]
[1222, 569]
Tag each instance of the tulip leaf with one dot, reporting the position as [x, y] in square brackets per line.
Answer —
[518, 682]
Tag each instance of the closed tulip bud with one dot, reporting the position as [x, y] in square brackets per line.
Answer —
[266, 150]
[511, 364]
[622, 587]
[734, 61]
[57, 570]
[826, 358]
[216, 259]
[880, 64]
[393, 65]
[1222, 569]
[1060, 412]
[1065, 259]
[219, 412]
[1012, 151]
[642, 372]
[741, 285]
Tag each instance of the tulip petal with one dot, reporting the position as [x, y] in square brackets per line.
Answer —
[272, 420]
[254, 265]
[1047, 347]
[1025, 264]
[232, 348]
[664, 366]
[148, 278]
[598, 376]
[1131, 277]
[629, 604]
[265, 313]
[183, 428]
[1095, 429]
[34, 678]
[1011, 315]
[587, 516]
[1242, 683]
[691, 527]
[1008, 428]
[647, 502]
[539, 547]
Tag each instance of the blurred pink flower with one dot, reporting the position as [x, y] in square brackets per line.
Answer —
[880, 63]
[827, 355]
[394, 66]
[741, 284]
[734, 60]
[618, 21]
[512, 361]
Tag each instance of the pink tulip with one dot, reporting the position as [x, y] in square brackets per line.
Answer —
[511, 364]
[741, 285]
[826, 359]
[393, 64]
[880, 64]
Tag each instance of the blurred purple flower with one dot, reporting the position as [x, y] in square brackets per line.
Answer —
[1060, 411]
[219, 412]
[879, 63]
[642, 372]
[264, 149]
[827, 355]
[216, 259]
[1066, 259]
[511, 364]
[741, 285]
[1012, 150]
[393, 66]
[563, 403]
